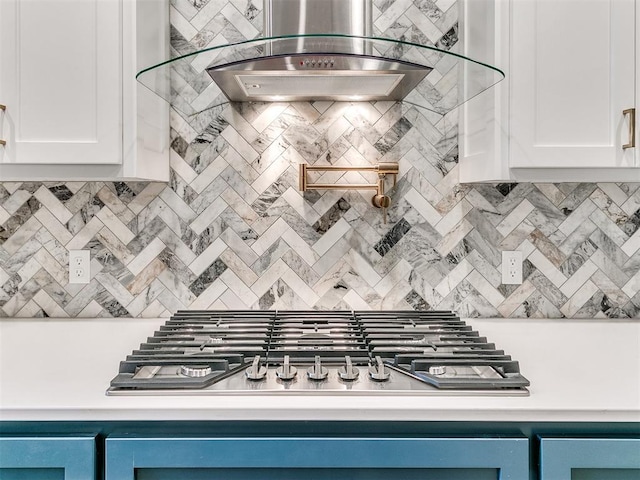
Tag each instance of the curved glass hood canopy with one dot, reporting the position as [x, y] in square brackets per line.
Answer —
[314, 67]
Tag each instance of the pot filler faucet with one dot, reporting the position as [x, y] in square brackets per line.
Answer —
[379, 200]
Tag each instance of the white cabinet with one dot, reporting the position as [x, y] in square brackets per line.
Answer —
[558, 116]
[67, 79]
[484, 120]
[60, 79]
[572, 75]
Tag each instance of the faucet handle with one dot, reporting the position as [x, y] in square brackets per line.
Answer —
[382, 201]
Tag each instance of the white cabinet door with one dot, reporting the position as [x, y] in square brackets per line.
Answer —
[572, 67]
[60, 79]
[484, 120]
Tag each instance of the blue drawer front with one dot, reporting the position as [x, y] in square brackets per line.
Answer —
[32, 474]
[48, 458]
[318, 474]
[589, 458]
[503, 458]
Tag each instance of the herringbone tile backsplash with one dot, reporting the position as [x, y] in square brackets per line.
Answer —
[231, 229]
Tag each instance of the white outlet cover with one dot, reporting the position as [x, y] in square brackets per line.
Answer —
[512, 267]
[79, 266]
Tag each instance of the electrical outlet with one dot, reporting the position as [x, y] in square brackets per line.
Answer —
[79, 269]
[512, 268]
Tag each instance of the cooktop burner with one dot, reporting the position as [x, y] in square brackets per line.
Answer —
[393, 352]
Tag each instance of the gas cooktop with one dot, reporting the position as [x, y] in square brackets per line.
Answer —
[301, 352]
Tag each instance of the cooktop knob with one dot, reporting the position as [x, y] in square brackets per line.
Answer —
[255, 371]
[378, 372]
[348, 373]
[195, 371]
[286, 371]
[317, 371]
[437, 370]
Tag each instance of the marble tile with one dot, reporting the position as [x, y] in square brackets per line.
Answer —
[547, 268]
[520, 295]
[577, 237]
[239, 144]
[50, 307]
[453, 237]
[632, 245]
[609, 269]
[299, 245]
[453, 217]
[269, 277]
[22, 235]
[608, 247]
[231, 229]
[515, 218]
[331, 236]
[146, 256]
[585, 292]
[115, 288]
[207, 216]
[54, 205]
[392, 237]
[180, 291]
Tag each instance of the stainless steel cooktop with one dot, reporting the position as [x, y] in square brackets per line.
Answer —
[311, 352]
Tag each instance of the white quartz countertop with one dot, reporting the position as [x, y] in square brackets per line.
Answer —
[580, 370]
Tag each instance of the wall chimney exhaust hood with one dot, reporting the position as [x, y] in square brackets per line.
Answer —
[319, 50]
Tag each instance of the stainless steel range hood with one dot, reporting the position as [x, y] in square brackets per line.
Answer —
[339, 78]
[304, 67]
[318, 50]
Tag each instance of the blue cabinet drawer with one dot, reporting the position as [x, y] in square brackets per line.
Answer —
[48, 458]
[589, 458]
[316, 458]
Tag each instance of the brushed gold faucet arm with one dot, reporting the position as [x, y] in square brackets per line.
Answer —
[343, 186]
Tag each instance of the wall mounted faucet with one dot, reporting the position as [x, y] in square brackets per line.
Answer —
[379, 200]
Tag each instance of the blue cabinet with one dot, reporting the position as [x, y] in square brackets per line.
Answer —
[316, 458]
[48, 458]
[589, 458]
